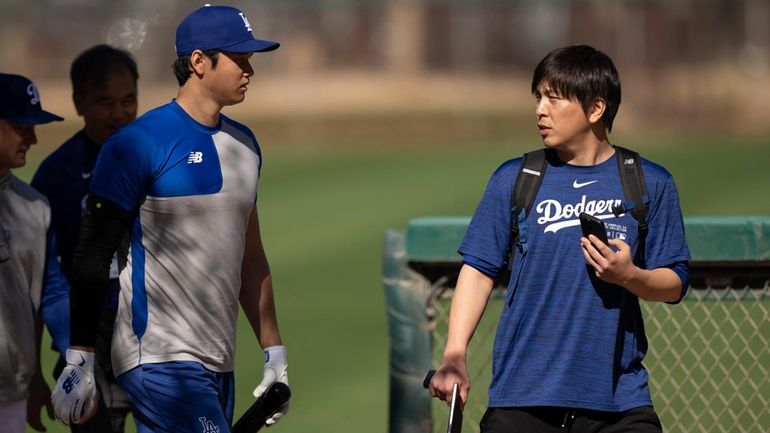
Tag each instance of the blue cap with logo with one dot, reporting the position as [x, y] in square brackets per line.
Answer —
[218, 27]
[20, 101]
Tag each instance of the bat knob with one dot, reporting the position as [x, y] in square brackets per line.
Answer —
[428, 377]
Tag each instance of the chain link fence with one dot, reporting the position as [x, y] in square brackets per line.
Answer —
[708, 359]
[708, 356]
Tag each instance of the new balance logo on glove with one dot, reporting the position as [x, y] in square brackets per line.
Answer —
[70, 382]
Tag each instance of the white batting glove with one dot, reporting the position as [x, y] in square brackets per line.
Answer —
[74, 397]
[275, 371]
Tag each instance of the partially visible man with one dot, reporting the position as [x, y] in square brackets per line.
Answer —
[175, 192]
[104, 90]
[24, 222]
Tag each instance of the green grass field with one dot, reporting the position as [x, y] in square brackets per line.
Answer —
[324, 203]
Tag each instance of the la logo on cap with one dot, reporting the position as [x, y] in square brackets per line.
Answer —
[32, 91]
[245, 21]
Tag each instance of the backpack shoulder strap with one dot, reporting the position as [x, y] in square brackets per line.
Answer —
[635, 192]
[525, 189]
[528, 180]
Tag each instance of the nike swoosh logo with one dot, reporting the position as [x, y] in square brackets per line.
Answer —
[577, 184]
[82, 361]
[85, 175]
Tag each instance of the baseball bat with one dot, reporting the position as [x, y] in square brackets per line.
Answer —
[266, 405]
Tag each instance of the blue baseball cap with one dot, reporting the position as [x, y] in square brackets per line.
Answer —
[218, 28]
[20, 101]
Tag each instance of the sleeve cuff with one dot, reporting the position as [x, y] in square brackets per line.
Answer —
[482, 266]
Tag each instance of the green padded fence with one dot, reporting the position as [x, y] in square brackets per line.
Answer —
[709, 356]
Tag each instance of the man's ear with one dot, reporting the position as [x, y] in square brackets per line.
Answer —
[596, 110]
[197, 62]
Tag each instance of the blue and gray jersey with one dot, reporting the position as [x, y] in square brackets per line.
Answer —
[192, 189]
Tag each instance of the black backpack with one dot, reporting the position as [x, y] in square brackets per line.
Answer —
[530, 177]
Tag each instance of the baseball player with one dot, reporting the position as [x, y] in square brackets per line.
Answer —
[175, 192]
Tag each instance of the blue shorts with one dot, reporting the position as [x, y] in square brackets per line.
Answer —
[180, 396]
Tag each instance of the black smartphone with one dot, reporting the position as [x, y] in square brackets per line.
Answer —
[593, 226]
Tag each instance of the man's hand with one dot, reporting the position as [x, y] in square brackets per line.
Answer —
[39, 397]
[452, 370]
[74, 397]
[275, 371]
[615, 267]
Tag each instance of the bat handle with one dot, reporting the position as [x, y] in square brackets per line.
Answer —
[428, 377]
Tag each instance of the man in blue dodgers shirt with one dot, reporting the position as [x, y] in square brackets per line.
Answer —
[104, 90]
[570, 342]
[175, 193]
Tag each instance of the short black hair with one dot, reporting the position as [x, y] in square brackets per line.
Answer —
[583, 73]
[94, 66]
[182, 69]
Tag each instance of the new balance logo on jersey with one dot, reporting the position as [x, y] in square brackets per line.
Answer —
[195, 158]
[69, 383]
[208, 426]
